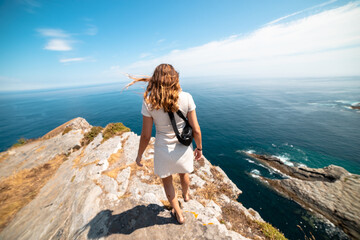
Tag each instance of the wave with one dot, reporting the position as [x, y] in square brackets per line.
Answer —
[249, 160]
[255, 173]
[284, 159]
[343, 101]
[250, 151]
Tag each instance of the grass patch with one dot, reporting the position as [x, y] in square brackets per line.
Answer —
[90, 135]
[19, 189]
[22, 141]
[66, 130]
[114, 129]
[209, 191]
[216, 174]
[248, 227]
[270, 232]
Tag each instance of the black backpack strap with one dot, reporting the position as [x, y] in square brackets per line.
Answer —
[181, 115]
[173, 123]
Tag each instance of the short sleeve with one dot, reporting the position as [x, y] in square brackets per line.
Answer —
[191, 103]
[144, 110]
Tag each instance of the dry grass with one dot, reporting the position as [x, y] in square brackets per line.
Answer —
[213, 191]
[88, 163]
[114, 129]
[115, 157]
[66, 130]
[4, 156]
[167, 204]
[57, 130]
[210, 191]
[126, 195]
[241, 224]
[113, 172]
[216, 174]
[40, 149]
[77, 160]
[19, 189]
[148, 169]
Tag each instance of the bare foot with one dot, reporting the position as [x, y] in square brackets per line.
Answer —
[179, 217]
[186, 197]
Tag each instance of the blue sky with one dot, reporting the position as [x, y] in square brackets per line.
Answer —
[48, 44]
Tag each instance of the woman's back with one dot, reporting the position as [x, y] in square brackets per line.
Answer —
[164, 131]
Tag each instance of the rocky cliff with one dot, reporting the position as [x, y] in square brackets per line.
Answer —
[81, 182]
[331, 191]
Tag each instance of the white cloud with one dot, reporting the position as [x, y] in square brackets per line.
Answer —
[51, 32]
[323, 44]
[58, 45]
[302, 11]
[66, 60]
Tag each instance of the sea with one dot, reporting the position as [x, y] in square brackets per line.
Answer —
[304, 121]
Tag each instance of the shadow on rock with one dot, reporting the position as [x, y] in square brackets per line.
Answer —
[105, 224]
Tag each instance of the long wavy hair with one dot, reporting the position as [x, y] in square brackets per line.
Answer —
[162, 91]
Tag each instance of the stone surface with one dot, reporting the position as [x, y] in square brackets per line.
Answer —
[331, 191]
[100, 193]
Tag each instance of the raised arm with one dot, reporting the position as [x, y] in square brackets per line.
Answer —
[196, 133]
[145, 138]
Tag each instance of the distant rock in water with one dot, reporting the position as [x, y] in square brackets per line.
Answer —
[331, 191]
[74, 183]
[355, 106]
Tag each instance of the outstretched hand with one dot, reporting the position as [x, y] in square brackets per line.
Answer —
[197, 154]
[138, 161]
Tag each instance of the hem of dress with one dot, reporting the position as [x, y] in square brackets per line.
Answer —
[168, 174]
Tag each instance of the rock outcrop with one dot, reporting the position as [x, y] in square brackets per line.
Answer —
[331, 191]
[56, 188]
[356, 106]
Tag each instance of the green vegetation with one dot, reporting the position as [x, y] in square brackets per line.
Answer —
[113, 129]
[21, 142]
[89, 136]
[270, 232]
[66, 130]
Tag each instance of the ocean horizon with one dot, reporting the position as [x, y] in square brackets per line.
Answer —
[301, 121]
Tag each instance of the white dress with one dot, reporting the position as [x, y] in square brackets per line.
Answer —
[170, 156]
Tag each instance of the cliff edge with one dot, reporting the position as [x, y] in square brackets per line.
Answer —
[331, 191]
[81, 182]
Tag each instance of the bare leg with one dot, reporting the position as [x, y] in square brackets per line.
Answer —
[185, 182]
[170, 194]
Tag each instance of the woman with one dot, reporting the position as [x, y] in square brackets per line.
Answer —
[163, 94]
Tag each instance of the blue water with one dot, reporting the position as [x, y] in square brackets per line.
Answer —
[305, 121]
